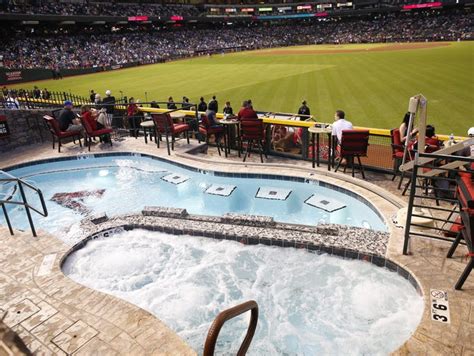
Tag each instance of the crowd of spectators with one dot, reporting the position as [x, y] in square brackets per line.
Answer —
[98, 9]
[151, 45]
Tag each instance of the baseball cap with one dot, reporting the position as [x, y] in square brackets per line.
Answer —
[108, 92]
[68, 103]
[470, 132]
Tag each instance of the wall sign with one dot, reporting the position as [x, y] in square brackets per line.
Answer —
[4, 129]
[439, 306]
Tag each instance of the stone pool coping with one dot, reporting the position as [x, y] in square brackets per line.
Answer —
[428, 264]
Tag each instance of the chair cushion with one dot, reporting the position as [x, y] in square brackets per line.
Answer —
[100, 132]
[68, 133]
[465, 192]
[178, 128]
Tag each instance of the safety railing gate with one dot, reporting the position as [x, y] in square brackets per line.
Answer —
[20, 185]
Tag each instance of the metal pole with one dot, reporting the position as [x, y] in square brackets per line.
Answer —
[410, 205]
[27, 208]
[7, 219]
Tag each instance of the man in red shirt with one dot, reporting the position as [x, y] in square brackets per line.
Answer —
[247, 112]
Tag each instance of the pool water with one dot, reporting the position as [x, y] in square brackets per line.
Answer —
[75, 189]
[309, 304]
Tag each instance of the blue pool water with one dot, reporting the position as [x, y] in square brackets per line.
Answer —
[74, 189]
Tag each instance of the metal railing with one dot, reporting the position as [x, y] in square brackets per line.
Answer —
[226, 315]
[20, 185]
[433, 205]
[379, 156]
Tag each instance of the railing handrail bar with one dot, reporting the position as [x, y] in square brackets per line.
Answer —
[20, 182]
[16, 179]
[226, 315]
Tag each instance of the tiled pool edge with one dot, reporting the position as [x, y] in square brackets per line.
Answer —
[129, 222]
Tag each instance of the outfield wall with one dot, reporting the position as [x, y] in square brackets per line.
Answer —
[15, 76]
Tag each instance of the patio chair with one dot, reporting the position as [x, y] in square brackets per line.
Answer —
[56, 133]
[91, 132]
[164, 126]
[354, 144]
[465, 195]
[253, 132]
[207, 130]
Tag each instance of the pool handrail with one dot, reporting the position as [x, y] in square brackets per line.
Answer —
[226, 315]
[20, 183]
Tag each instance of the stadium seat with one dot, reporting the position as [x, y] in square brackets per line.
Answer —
[53, 126]
[164, 126]
[354, 143]
[465, 196]
[91, 132]
[253, 132]
[207, 130]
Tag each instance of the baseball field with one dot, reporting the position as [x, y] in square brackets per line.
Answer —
[372, 83]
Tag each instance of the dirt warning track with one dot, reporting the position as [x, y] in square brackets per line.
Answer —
[334, 49]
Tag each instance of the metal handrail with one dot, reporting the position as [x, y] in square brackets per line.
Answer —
[21, 184]
[226, 315]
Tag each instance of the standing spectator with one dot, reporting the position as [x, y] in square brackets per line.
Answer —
[171, 105]
[303, 110]
[213, 105]
[12, 102]
[36, 93]
[185, 104]
[92, 96]
[202, 106]
[154, 105]
[109, 104]
[97, 100]
[46, 94]
[134, 117]
[340, 124]
[228, 109]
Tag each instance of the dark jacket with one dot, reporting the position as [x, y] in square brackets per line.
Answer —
[202, 106]
[108, 103]
[303, 110]
[213, 105]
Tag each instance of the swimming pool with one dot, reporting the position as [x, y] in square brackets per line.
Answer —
[126, 183]
[309, 304]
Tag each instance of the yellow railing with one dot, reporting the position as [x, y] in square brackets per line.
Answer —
[297, 123]
[268, 120]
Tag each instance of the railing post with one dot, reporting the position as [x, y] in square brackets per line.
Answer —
[7, 219]
[27, 208]
[410, 204]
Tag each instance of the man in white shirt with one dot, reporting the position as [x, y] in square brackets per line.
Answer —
[340, 124]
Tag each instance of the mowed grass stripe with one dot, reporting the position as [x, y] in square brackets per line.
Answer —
[372, 86]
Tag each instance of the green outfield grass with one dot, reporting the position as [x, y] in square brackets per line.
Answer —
[373, 87]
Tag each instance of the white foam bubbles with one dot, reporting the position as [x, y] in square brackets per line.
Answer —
[309, 304]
